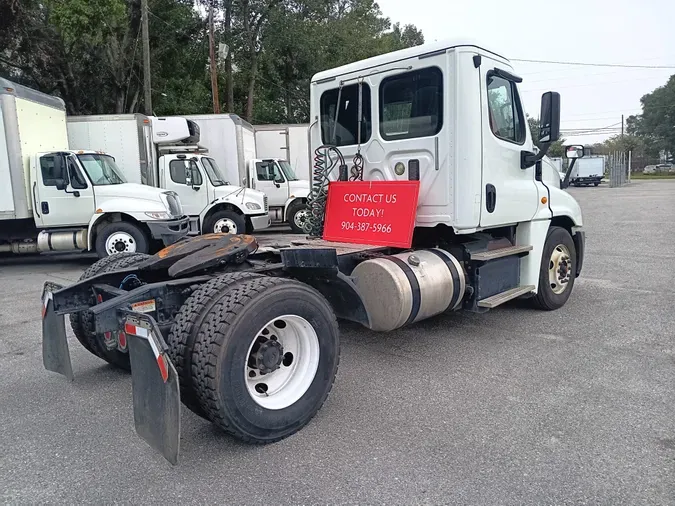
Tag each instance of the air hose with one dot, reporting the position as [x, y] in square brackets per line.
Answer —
[326, 158]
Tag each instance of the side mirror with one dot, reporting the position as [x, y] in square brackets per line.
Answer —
[574, 152]
[61, 184]
[549, 117]
[188, 176]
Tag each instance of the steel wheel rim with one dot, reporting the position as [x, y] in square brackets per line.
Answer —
[120, 242]
[298, 362]
[225, 226]
[559, 269]
[300, 218]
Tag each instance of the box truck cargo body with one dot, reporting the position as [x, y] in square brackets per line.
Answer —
[286, 142]
[588, 171]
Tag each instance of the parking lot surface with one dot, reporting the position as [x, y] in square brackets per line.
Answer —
[515, 406]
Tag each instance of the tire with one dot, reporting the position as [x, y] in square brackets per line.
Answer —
[547, 298]
[596, 184]
[297, 215]
[223, 350]
[82, 323]
[121, 237]
[223, 222]
[187, 324]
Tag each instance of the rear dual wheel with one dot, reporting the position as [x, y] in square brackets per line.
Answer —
[261, 356]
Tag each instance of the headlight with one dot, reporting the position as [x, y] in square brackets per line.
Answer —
[252, 205]
[158, 216]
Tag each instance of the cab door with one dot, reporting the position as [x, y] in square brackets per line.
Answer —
[184, 177]
[509, 193]
[271, 181]
[62, 194]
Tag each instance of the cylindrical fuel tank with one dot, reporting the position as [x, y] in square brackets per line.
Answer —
[62, 241]
[405, 288]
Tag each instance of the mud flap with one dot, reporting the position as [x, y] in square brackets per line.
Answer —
[55, 353]
[154, 381]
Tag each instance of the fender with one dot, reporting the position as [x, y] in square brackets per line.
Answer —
[220, 202]
[295, 198]
[136, 208]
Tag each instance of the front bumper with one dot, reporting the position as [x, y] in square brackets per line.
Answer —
[169, 231]
[580, 246]
[261, 221]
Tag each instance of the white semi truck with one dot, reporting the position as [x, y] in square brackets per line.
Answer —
[247, 336]
[56, 199]
[285, 142]
[165, 153]
[232, 143]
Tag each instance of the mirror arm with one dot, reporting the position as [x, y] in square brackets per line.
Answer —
[566, 181]
[528, 159]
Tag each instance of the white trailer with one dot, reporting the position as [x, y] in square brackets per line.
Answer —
[588, 171]
[285, 142]
[232, 143]
[165, 153]
[57, 199]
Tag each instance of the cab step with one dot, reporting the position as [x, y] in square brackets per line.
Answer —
[486, 256]
[501, 298]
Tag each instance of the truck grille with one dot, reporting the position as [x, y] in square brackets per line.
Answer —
[174, 205]
[265, 201]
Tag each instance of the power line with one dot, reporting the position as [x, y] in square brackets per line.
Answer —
[584, 64]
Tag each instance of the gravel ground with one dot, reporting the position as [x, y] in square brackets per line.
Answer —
[514, 406]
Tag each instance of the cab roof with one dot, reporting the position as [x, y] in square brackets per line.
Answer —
[403, 54]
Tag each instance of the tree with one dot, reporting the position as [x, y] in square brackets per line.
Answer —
[556, 149]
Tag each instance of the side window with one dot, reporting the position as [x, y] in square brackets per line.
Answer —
[411, 104]
[347, 127]
[504, 110]
[53, 170]
[177, 172]
[77, 180]
[269, 171]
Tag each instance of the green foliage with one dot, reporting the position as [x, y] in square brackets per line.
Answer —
[556, 149]
[89, 51]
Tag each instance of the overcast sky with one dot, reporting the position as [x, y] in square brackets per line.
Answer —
[637, 32]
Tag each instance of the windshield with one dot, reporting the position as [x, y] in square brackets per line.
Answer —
[288, 170]
[101, 169]
[213, 172]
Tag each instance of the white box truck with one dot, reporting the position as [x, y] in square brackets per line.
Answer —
[588, 171]
[57, 199]
[232, 143]
[285, 142]
[165, 153]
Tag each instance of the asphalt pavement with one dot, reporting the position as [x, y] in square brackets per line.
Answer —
[515, 406]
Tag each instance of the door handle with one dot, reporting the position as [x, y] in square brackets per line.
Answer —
[45, 207]
[196, 188]
[490, 197]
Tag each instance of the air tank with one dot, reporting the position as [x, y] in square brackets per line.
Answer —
[408, 287]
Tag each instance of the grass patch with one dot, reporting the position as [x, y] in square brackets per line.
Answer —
[652, 176]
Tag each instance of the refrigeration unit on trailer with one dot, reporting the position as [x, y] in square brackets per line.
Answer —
[58, 199]
[166, 153]
[449, 208]
[232, 143]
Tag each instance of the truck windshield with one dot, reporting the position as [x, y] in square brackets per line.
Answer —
[213, 172]
[288, 170]
[101, 169]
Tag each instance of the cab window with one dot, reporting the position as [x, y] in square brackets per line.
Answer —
[269, 171]
[411, 104]
[53, 170]
[177, 172]
[504, 110]
[347, 125]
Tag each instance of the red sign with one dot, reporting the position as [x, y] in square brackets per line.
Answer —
[379, 213]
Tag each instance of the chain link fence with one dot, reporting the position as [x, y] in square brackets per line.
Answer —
[619, 164]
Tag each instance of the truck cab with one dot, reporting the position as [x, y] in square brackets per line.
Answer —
[87, 189]
[286, 194]
[211, 202]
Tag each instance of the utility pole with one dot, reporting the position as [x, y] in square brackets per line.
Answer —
[214, 69]
[622, 126]
[147, 87]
